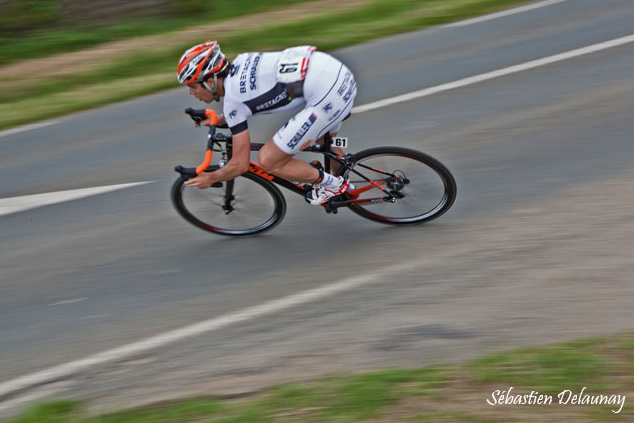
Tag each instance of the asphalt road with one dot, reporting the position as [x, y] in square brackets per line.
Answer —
[536, 249]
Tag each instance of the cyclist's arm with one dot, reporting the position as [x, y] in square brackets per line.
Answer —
[238, 164]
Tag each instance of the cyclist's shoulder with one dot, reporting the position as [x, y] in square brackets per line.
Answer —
[251, 75]
[253, 58]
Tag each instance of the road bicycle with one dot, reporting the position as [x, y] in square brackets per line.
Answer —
[391, 185]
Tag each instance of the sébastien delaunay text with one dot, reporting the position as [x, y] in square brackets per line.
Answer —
[566, 396]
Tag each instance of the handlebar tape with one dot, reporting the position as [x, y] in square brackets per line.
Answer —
[212, 115]
[204, 165]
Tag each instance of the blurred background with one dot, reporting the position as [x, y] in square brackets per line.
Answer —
[537, 249]
[72, 55]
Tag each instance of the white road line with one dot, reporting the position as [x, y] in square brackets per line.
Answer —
[252, 313]
[504, 13]
[29, 127]
[26, 202]
[73, 301]
[494, 74]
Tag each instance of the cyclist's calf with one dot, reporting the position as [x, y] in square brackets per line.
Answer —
[334, 165]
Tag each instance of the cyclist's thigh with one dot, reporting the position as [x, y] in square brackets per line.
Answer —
[330, 87]
[313, 122]
[299, 132]
[321, 116]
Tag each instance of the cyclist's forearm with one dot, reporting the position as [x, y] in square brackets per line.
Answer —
[230, 171]
[239, 162]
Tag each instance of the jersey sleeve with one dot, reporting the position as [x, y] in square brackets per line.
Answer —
[236, 115]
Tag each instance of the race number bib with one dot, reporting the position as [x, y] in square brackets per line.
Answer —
[293, 64]
[340, 142]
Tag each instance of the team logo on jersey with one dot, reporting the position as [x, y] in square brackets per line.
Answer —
[276, 100]
[353, 86]
[253, 78]
[233, 114]
[302, 131]
[245, 74]
[234, 70]
[344, 85]
[334, 115]
[328, 107]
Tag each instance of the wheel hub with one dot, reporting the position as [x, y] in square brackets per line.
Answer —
[395, 183]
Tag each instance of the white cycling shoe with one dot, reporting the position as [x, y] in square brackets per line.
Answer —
[320, 194]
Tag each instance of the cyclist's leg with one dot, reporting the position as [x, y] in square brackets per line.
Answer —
[334, 165]
[277, 156]
[329, 91]
[330, 87]
[302, 130]
[282, 164]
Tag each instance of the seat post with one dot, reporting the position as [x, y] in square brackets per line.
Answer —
[327, 144]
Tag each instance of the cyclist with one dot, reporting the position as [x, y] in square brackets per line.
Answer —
[266, 83]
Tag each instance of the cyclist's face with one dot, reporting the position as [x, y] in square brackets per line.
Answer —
[201, 93]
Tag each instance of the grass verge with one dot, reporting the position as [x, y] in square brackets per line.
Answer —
[143, 71]
[70, 36]
[432, 394]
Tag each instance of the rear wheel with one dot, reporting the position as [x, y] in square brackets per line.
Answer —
[407, 186]
[247, 205]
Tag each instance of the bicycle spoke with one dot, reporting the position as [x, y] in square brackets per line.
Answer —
[256, 205]
[415, 186]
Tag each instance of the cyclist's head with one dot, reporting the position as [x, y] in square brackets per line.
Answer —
[201, 62]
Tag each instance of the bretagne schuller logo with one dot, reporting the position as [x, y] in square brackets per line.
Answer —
[564, 397]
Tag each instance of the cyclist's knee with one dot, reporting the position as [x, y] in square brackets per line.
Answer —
[263, 160]
[271, 158]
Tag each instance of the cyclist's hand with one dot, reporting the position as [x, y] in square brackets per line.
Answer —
[204, 180]
[222, 122]
[211, 118]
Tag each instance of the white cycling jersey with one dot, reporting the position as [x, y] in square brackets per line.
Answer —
[257, 84]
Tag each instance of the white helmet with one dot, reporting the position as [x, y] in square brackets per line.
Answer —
[200, 62]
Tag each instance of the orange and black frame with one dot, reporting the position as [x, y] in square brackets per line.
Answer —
[386, 186]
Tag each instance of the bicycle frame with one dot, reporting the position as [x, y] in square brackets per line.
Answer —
[387, 174]
[300, 189]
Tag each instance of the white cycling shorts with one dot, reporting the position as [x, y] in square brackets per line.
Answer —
[329, 92]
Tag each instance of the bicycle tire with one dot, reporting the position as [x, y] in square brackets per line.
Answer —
[258, 206]
[430, 192]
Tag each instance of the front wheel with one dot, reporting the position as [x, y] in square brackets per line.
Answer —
[247, 205]
[398, 185]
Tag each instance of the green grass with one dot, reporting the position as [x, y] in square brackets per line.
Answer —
[69, 36]
[548, 370]
[128, 75]
[377, 19]
[430, 394]
[336, 399]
